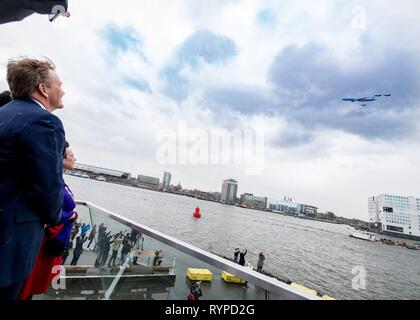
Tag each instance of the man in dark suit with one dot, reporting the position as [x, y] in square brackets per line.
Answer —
[32, 143]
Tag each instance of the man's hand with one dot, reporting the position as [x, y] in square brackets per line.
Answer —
[74, 216]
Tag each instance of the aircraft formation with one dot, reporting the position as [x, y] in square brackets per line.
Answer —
[366, 99]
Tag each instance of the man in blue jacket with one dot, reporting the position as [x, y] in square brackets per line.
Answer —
[32, 143]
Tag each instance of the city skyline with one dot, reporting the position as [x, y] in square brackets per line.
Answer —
[279, 70]
[257, 202]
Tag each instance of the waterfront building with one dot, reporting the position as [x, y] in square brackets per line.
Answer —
[151, 181]
[166, 181]
[248, 200]
[293, 208]
[229, 191]
[283, 206]
[97, 171]
[396, 215]
[309, 210]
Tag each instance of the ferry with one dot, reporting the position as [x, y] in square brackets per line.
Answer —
[363, 236]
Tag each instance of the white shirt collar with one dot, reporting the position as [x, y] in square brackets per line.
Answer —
[40, 104]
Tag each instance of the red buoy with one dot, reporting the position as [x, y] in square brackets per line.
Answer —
[197, 213]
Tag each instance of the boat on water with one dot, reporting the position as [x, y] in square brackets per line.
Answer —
[415, 246]
[363, 236]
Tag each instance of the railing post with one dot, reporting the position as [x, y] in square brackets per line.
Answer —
[173, 265]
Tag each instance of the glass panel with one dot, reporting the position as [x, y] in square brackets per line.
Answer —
[77, 279]
[113, 261]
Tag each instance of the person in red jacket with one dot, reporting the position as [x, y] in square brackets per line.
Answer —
[195, 291]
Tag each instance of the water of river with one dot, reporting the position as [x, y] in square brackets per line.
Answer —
[318, 255]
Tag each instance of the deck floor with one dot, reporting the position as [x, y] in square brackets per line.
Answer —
[140, 283]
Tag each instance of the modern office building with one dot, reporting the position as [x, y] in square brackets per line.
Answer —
[248, 200]
[151, 181]
[229, 191]
[397, 215]
[166, 181]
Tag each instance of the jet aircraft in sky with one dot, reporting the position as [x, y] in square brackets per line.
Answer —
[366, 99]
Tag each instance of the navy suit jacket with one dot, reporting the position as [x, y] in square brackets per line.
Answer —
[32, 144]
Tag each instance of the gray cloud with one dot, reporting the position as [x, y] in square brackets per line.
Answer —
[245, 101]
[202, 46]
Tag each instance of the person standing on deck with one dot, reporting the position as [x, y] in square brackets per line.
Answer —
[157, 260]
[32, 144]
[138, 248]
[78, 250]
[236, 255]
[92, 235]
[106, 247]
[260, 263]
[126, 248]
[84, 229]
[242, 257]
[195, 291]
[76, 229]
[115, 248]
[101, 235]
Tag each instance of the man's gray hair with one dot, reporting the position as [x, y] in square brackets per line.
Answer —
[25, 74]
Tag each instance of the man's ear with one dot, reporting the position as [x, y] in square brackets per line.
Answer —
[42, 90]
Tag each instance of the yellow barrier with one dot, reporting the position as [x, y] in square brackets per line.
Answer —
[199, 274]
[230, 278]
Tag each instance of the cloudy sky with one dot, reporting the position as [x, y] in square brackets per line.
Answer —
[142, 75]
